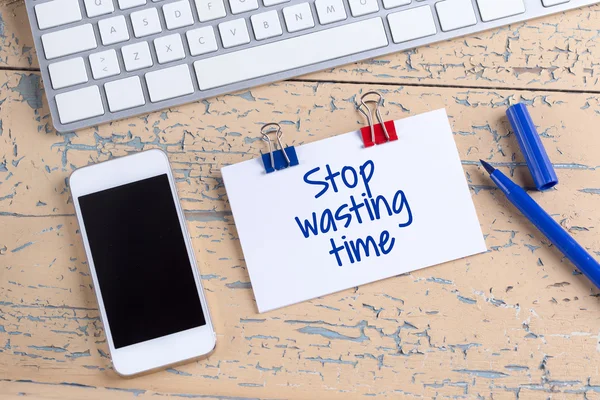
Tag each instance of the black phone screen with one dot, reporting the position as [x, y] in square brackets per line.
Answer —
[141, 261]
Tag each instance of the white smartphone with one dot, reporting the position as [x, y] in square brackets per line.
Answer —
[149, 290]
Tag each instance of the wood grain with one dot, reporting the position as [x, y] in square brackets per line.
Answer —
[515, 322]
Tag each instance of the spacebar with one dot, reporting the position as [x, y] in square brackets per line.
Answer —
[296, 52]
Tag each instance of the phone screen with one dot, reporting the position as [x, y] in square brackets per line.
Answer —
[141, 260]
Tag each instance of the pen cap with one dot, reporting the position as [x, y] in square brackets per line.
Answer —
[531, 145]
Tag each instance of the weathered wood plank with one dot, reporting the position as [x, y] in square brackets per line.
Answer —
[554, 52]
[535, 319]
[513, 320]
[16, 43]
[35, 161]
[16, 390]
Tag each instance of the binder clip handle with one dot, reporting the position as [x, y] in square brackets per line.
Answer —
[380, 132]
[273, 128]
[277, 158]
[367, 112]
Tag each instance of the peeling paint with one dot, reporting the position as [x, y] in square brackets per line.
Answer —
[29, 88]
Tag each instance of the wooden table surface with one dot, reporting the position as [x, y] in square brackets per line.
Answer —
[516, 322]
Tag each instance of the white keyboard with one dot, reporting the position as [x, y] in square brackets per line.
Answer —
[103, 60]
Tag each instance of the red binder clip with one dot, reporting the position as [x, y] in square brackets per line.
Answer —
[380, 133]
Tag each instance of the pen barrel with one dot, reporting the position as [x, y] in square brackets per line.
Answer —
[559, 237]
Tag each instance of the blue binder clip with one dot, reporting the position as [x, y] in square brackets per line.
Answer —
[277, 159]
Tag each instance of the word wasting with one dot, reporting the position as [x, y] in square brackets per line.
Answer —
[356, 210]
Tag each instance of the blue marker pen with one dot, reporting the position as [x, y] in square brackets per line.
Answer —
[547, 225]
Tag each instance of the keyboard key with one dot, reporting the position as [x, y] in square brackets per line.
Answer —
[136, 56]
[169, 48]
[69, 41]
[363, 7]
[412, 24]
[492, 10]
[113, 30]
[210, 9]
[266, 25]
[240, 6]
[298, 17]
[67, 73]
[178, 14]
[234, 33]
[57, 12]
[202, 40]
[268, 3]
[95, 8]
[124, 93]
[104, 64]
[455, 14]
[145, 22]
[169, 83]
[395, 3]
[79, 104]
[330, 11]
[288, 54]
[550, 3]
[125, 4]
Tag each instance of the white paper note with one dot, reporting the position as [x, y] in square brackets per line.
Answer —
[349, 215]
